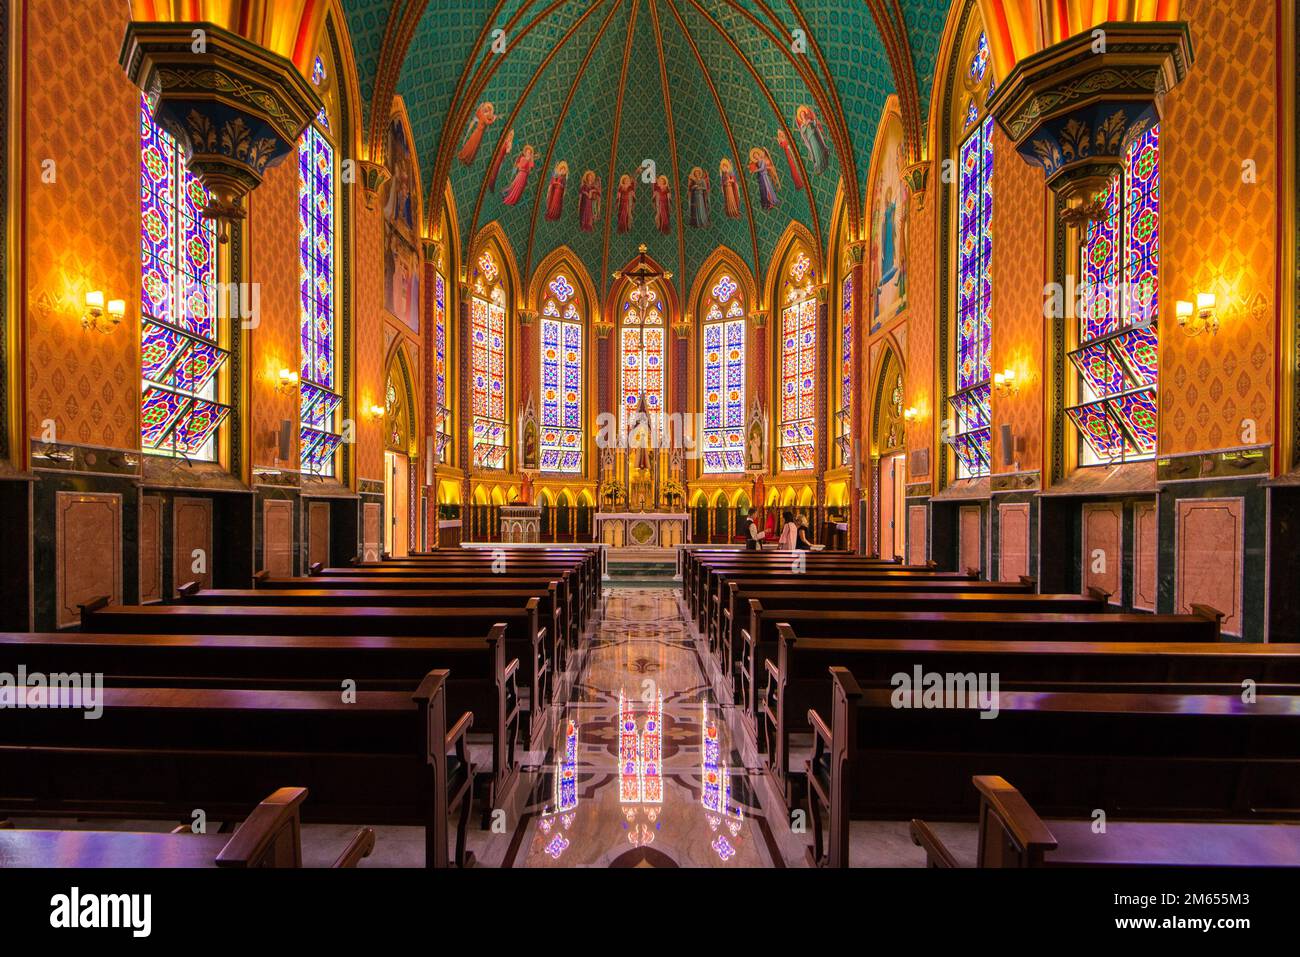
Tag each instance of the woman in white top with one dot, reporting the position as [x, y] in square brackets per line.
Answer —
[789, 533]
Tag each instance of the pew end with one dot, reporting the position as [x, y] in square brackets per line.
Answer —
[1011, 834]
[1100, 594]
[189, 589]
[1029, 582]
[269, 837]
[360, 847]
[937, 854]
[92, 606]
[1210, 613]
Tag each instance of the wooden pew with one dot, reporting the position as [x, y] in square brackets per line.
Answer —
[1133, 754]
[269, 837]
[482, 682]
[759, 640]
[1011, 834]
[799, 679]
[158, 753]
[525, 638]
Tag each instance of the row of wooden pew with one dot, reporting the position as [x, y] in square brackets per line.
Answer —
[365, 685]
[1144, 716]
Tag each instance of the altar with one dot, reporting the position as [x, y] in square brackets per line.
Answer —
[643, 529]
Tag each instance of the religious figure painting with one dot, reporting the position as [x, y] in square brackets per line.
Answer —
[761, 165]
[484, 116]
[889, 228]
[555, 192]
[788, 148]
[588, 201]
[697, 188]
[507, 144]
[525, 163]
[814, 138]
[730, 189]
[663, 200]
[401, 262]
[626, 200]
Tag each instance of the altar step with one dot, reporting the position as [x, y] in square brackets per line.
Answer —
[650, 567]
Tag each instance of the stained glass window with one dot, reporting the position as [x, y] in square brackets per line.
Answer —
[561, 419]
[319, 395]
[641, 331]
[488, 366]
[797, 437]
[1119, 300]
[180, 351]
[723, 357]
[970, 404]
[442, 413]
[844, 417]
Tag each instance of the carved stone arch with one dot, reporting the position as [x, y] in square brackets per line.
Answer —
[404, 435]
[887, 433]
[563, 257]
[722, 256]
[492, 236]
[796, 234]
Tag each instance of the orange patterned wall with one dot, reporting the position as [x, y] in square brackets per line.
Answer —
[369, 340]
[1019, 231]
[921, 342]
[273, 219]
[82, 226]
[1219, 232]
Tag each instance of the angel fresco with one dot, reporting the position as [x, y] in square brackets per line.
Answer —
[588, 201]
[555, 192]
[697, 188]
[760, 163]
[663, 200]
[626, 200]
[730, 189]
[484, 116]
[503, 151]
[788, 148]
[524, 165]
[814, 138]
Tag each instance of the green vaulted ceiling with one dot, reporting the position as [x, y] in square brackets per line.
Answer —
[594, 83]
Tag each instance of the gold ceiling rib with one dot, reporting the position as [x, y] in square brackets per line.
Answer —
[613, 151]
[403, 18]
[672, 146]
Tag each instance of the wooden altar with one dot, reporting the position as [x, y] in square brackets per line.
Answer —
[643, 529]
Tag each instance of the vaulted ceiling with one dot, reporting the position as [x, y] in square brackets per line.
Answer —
[607, 84]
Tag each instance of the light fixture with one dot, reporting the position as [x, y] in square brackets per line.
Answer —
[909, 414]
[1203, 317]
[94, 316]
[1005, 382]
[377, 411]
[288, 381]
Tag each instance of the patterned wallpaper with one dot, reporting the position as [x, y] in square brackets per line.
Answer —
[370, 341]
[1220, 231]
[920, 382]
[83, 225]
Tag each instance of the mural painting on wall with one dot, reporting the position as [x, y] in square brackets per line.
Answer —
[730, 189]
[697, 188]
[626, 200]
[788, 148]
[663, 200]
[484, 116]
[507, 144]
[889, 229]
[588, 201]
[401, 263]
[555, 192]
[814, 138]
[528, 429]
[892, 433]
[761, 165]
[756, 439]
[524, 164]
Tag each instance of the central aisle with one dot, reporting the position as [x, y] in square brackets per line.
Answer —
[646, 768]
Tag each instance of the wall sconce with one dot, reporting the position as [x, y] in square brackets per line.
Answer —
[376, 411]
[96, 310]
[288, 381]
[1005, 382]
[1203, 317]
[909, 414]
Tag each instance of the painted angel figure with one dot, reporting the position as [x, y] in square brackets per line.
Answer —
[730, 189]
[555, 192]
[760, 163]
[788, 148]
[484, 116]
[697, 186]
[524, 165]
[814, 138]
[503, 151]
[588, 201]
[663, 200]
[626, 200]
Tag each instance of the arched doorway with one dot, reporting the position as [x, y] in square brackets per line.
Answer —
[700, 519]
[889, 460]
[399, 454]
[564, 518]
[721, 516]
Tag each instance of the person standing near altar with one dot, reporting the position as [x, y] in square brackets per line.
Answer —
[753, 534]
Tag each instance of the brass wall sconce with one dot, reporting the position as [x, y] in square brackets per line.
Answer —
[100, 316]
[910, 414]
[1203, 317]
[376, 411]
[1005, 382]
[287, 381]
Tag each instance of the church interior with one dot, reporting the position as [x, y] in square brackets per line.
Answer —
[660, 433]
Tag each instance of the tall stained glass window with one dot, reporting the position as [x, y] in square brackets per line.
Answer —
[724, 378]
[487, 314]
[442, 413]
[561, 421]
[319, 394]
[641, 334]
[1118, 348]
[797, 435]
[180, 340]
[844, 418]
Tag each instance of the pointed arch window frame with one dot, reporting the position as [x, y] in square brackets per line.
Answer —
[561, 372]
[489, 346]
[796, 370]
[723, 375]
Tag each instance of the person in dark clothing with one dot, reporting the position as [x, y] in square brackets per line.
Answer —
[753, 534]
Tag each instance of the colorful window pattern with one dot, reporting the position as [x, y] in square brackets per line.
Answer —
[180, 353]
[561, 425]
[724, 378]
[319, 397]
[798, 384]
[845, 417]
[488, 366]
[641, 331]
[442, 414]
[1118, 342]
[971, 403]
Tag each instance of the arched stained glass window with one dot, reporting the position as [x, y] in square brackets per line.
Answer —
[1116, 359]
[441, 411]
[797, 435]
[844, 419]
[561, 377]
[723, 373]
[971, 413]
[642, 324]
[488, 365]
[320, 396]
[180, 334]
